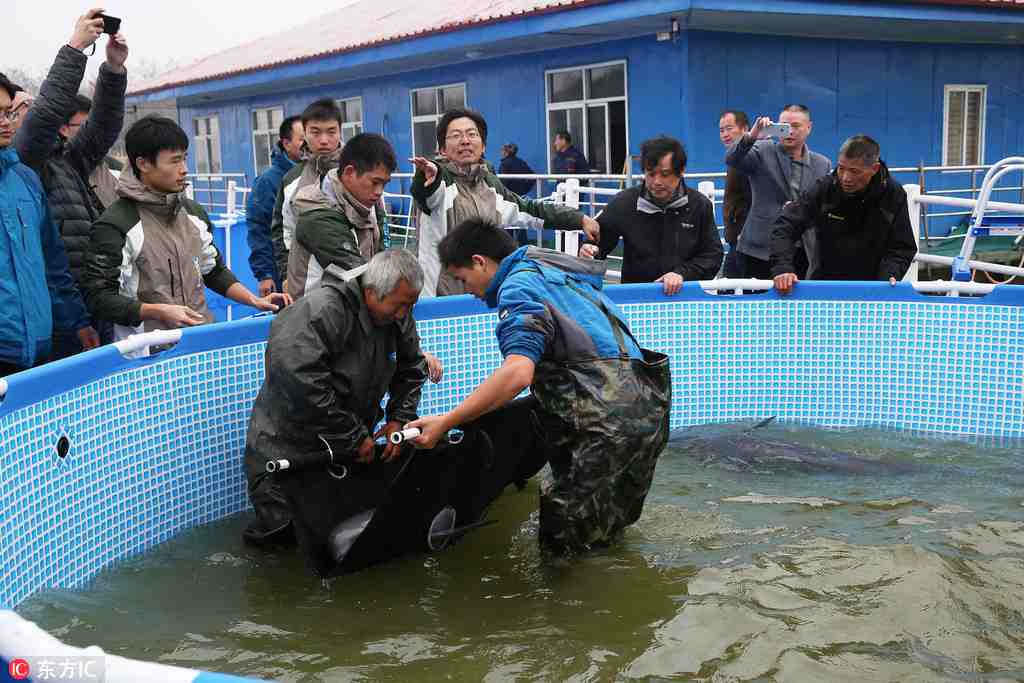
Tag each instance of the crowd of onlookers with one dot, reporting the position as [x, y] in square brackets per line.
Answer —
[87, 257]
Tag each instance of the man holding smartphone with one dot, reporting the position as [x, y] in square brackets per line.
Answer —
[65, 138]
[780, 169]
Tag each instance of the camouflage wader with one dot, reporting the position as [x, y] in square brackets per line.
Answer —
[608, 421]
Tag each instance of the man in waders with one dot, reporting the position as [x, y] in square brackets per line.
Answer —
[331, 357]
[604, 401]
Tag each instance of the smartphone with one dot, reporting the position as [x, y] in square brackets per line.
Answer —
[111, 24]
[776, 130]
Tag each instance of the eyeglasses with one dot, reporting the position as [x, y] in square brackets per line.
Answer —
[459, 135]
[11, 115]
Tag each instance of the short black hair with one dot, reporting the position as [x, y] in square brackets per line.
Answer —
[151, 135]
[10, 88]
[366, 151]
[324, 109]
[452, 114]
[474, 236]
[739, 116]
[285, 131]
[83, 105]
[799, 109]
[651, 152]
[564, 134]
[863, 148]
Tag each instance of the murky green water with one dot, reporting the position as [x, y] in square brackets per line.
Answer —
[729, 575]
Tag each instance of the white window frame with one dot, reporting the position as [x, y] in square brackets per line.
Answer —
[432, 117]
[272, 136]
[210, 143]
[982, 116]
[349, 129]
[584, 144]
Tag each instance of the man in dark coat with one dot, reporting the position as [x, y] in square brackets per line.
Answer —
[854, 223]
[259, 207]
[512, 164]
[568, 160]
[668, 228]
[732, 125]
[65, 137]
[331, 357]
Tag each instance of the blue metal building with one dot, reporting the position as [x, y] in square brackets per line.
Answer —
[935, 81]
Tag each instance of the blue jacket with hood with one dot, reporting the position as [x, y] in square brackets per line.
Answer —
[542, 314]
[36, 289]
[259, 210]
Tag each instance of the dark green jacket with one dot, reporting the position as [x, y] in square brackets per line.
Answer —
[331, 230]
[283, 221]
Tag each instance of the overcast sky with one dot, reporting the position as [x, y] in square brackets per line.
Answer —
[157, 30]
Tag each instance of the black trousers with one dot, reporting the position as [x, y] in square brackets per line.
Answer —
[754, 267]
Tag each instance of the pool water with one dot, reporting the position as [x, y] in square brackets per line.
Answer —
[910, 568]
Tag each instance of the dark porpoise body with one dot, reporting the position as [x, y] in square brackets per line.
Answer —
[750, 450]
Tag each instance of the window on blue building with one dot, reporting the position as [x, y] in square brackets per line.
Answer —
[351, 117]
[590, 102]
[428, 105]
[206, 131]
[266, 128]
[963, 134]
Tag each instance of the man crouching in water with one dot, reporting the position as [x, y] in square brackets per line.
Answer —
[330, 359]
[604, 401]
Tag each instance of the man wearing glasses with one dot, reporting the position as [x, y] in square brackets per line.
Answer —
[19, 107]
[65, 138]
[458, 185]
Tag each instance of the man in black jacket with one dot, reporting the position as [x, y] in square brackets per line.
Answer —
[64, 144]
[512, 164]
[732, 125]
[668, 228]
[331, 357]
[854, 223]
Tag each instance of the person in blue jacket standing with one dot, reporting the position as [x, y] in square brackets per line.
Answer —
[36, 288]
[259, 208]
[603, 401]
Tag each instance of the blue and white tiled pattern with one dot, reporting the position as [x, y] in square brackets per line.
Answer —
[157, 448]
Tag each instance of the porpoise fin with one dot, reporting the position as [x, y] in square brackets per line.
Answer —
[763, 423]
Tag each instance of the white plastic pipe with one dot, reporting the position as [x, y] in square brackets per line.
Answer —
[914, 209]
[959, 287]
[707, 188]
[960, 202]
[973, 265]
[133, 345]
[453, 436]
[405, 435]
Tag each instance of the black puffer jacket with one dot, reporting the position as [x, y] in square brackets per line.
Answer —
[64, 167]
[866, 236]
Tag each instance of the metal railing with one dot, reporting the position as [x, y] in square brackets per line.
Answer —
[211, 189]
[962, 267]
[225, 193]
